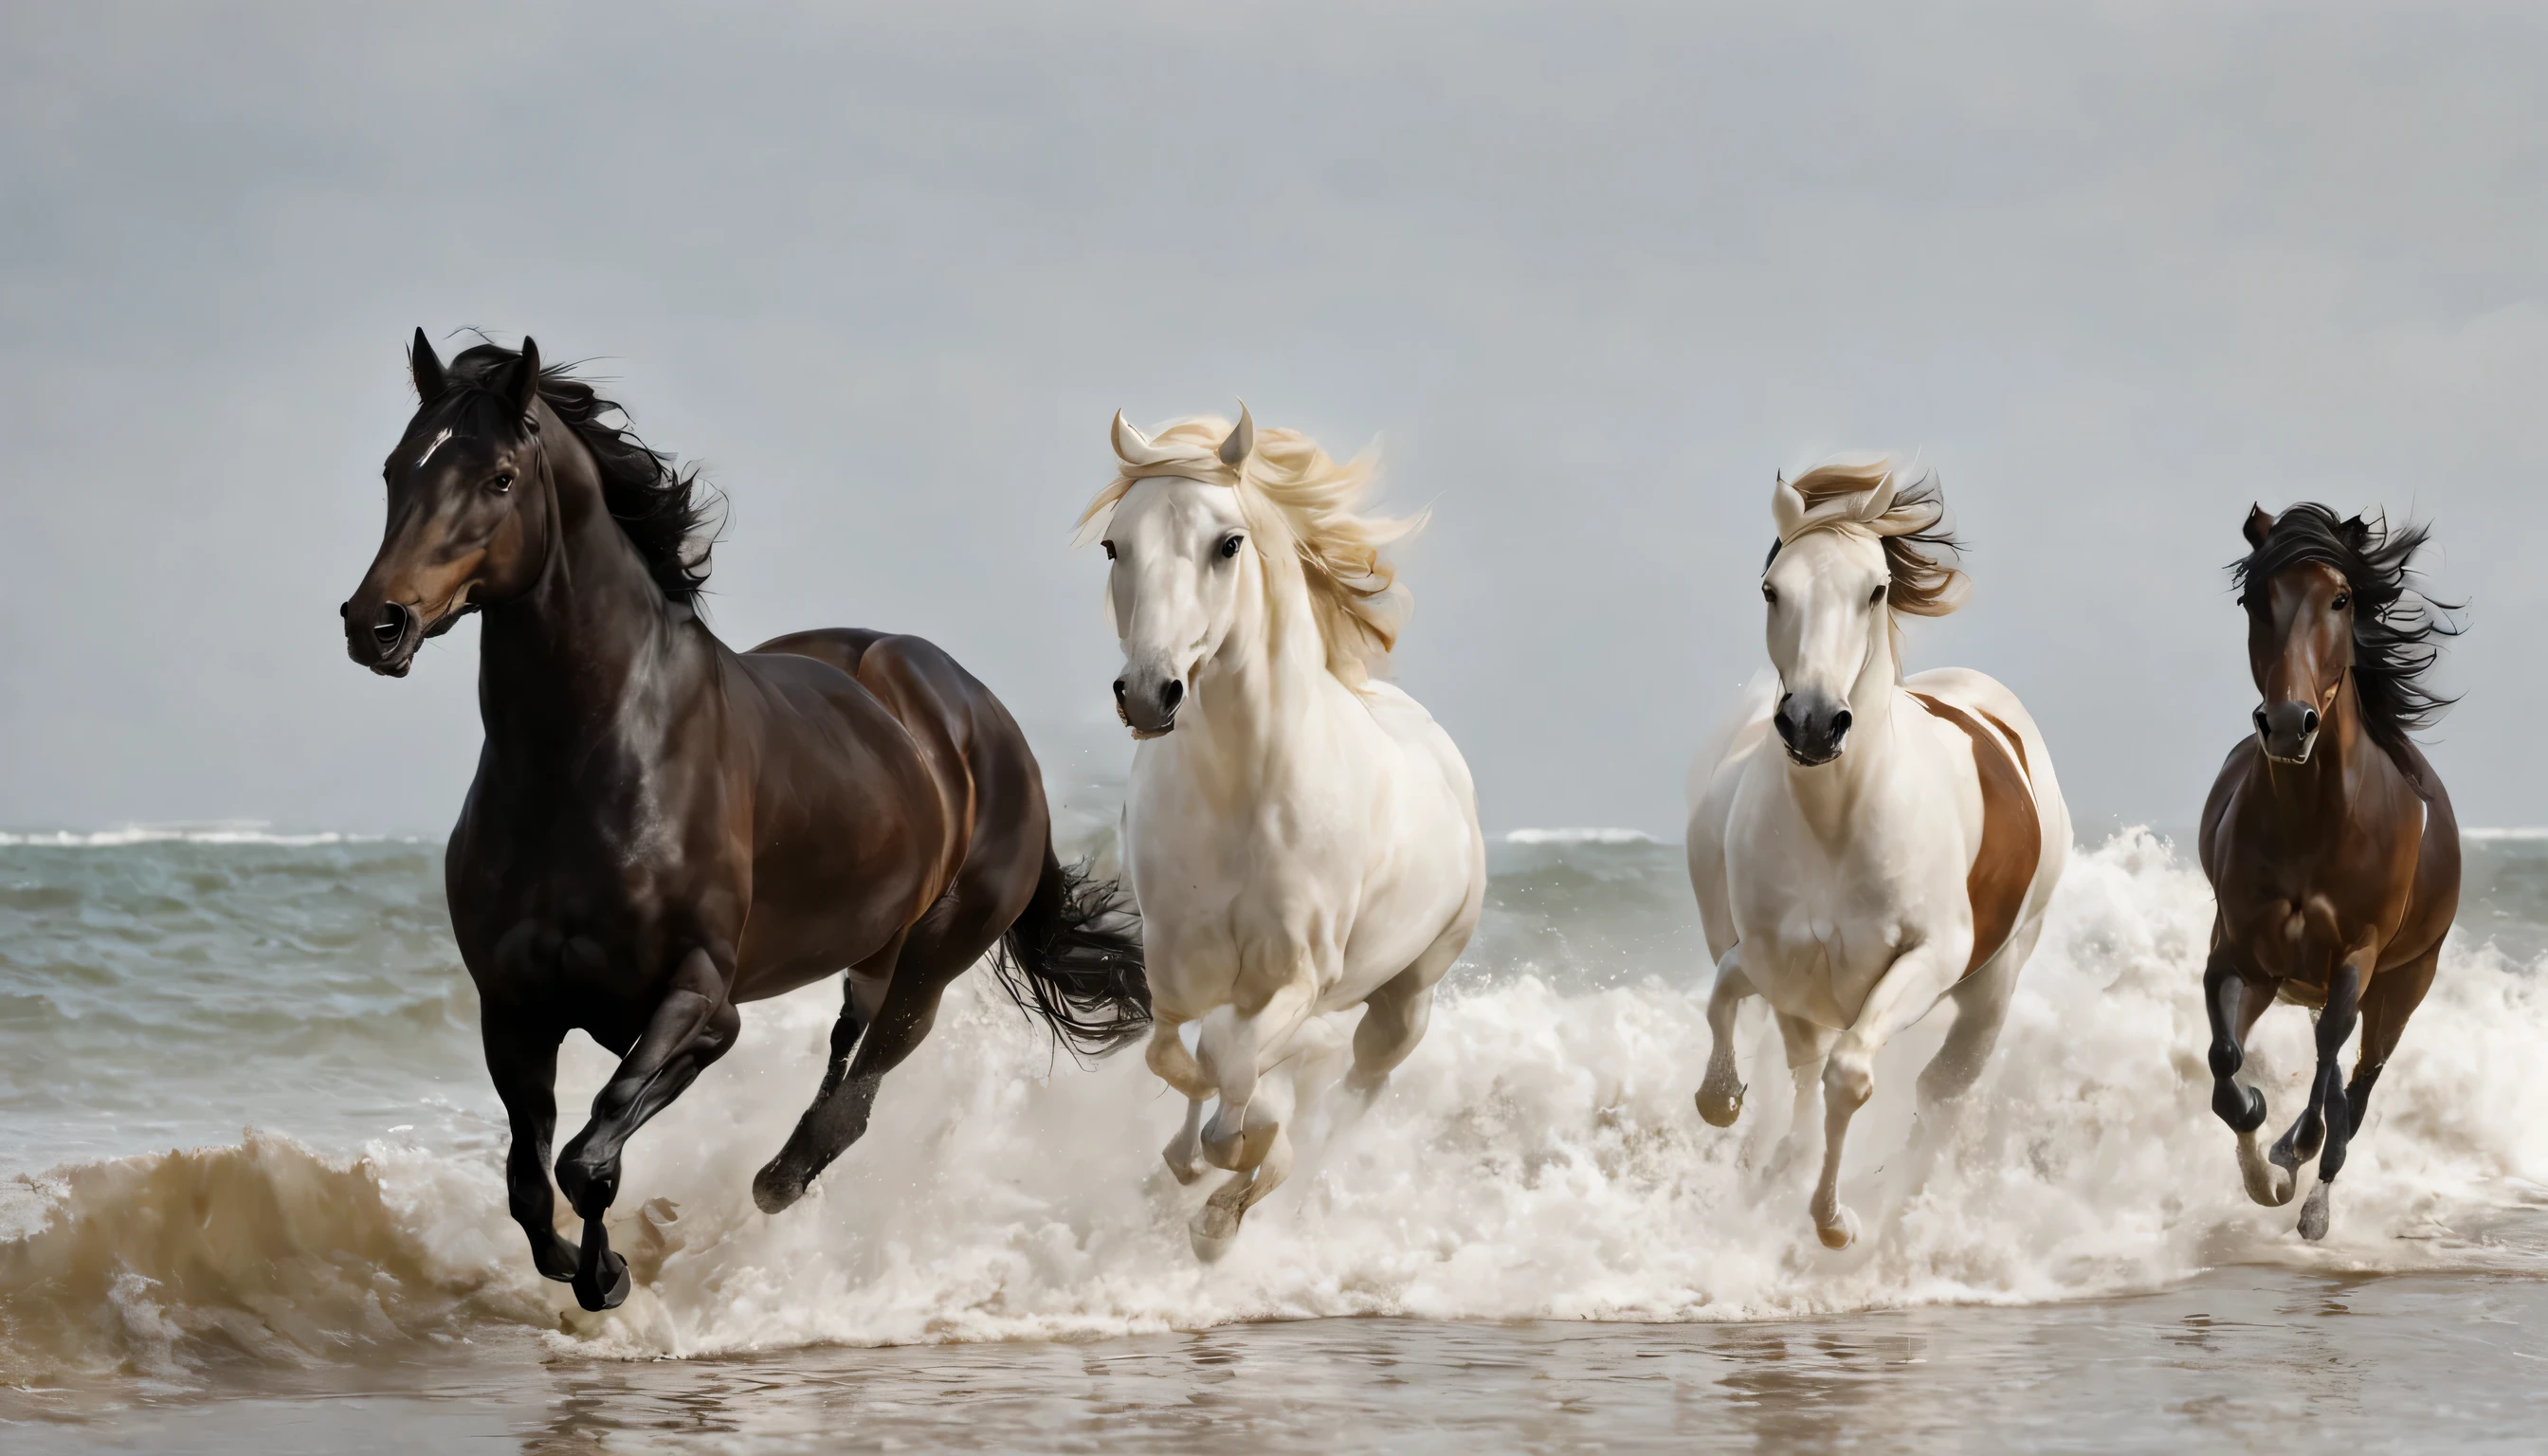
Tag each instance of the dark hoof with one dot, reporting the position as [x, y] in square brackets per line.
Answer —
[774, 1190]
[606, 1286]
[555, 1258]
[2243, 1113]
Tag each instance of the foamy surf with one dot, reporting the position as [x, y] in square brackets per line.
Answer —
[1538, 1156]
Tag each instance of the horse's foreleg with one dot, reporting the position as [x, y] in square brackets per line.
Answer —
[692, 1027]
[1914, 984]
[2232, 1003]
[1173, 1065]
[839, 1115]
[1237, 1047]
[524, 1067]
[1721, 1095]
[1264, 1161]
[2326, 1090]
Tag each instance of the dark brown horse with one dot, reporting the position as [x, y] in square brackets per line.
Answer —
[661, 828]
[2332, 847]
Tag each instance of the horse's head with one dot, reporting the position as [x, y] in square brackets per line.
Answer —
[2300, 628]
[1176, 537]
[469, 513]
[1849, 555]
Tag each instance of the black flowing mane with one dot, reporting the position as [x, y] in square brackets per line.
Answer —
[669, 515]
[2394, 624]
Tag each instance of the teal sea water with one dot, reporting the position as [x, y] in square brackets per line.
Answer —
[250, 1198]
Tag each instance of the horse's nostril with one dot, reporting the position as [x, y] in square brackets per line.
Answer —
[391, 629]
[1786, 727]
[1119, 689]
[2259, 716]
[1172, 694]
[1839, 724]
[344, 609]
[2308, 721]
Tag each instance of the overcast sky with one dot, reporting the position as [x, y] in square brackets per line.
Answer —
[1591, 273]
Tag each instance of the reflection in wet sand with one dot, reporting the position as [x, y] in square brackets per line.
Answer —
[2244, 1356]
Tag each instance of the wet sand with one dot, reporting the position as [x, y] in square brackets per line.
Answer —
[2256, 1357]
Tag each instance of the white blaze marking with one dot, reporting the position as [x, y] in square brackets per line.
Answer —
[429, 450]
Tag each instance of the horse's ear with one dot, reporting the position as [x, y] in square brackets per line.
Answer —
[2357, 533]
[1242, 441]
[426, 369]
[2259, 524]
[524, 384]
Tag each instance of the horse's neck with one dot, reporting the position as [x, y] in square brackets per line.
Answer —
[1252, 697]
[589, 642]
[1833, 796]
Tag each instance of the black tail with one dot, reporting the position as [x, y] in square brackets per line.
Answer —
[1075, 959]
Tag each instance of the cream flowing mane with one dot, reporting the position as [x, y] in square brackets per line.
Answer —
[1902, 509]
[1299, 508]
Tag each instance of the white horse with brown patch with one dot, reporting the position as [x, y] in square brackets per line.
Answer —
[1865, 845]
[1301, 839]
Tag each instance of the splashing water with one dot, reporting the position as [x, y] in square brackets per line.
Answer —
[1538, 1156]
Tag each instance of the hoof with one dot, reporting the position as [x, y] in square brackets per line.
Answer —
[775, 1191]
[556, 1259]
[2268, 1183]
[1841, 1232]
[607, 1289]
[2314, 1214]
[1721, 1110]
[2243, 1107]
[1184, 1171]
[1214, 1230]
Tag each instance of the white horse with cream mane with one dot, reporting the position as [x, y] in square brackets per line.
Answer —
[1865, 845]
[1301, 839]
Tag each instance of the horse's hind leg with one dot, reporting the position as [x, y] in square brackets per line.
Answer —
[524, 1064]
[691, 1028]
[1395, 1016]
[2232, 1003]
[1981, 1009]
[2394, 995]
[2326, 1093]
[921, 967]
[1807, 1046]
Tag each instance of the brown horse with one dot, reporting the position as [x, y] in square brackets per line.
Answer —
[661, 828]
[2330, 846]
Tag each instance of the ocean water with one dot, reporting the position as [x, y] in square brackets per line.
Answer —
[252, 1200]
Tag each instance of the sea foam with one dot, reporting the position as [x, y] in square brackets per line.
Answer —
[1537, 1156]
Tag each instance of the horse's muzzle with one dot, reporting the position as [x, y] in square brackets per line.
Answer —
[1150, 712]
[386, 641]
[1814, 728]
[2286, 731]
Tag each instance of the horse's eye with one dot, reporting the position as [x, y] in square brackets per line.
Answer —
[501, 483]
[1768, 593]
[1229, 547]
[1876, 596]
[2342, 600]
[1110, 549]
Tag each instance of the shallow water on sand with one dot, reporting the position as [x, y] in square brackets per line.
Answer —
[2246, 1356]
[1001, 1260]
